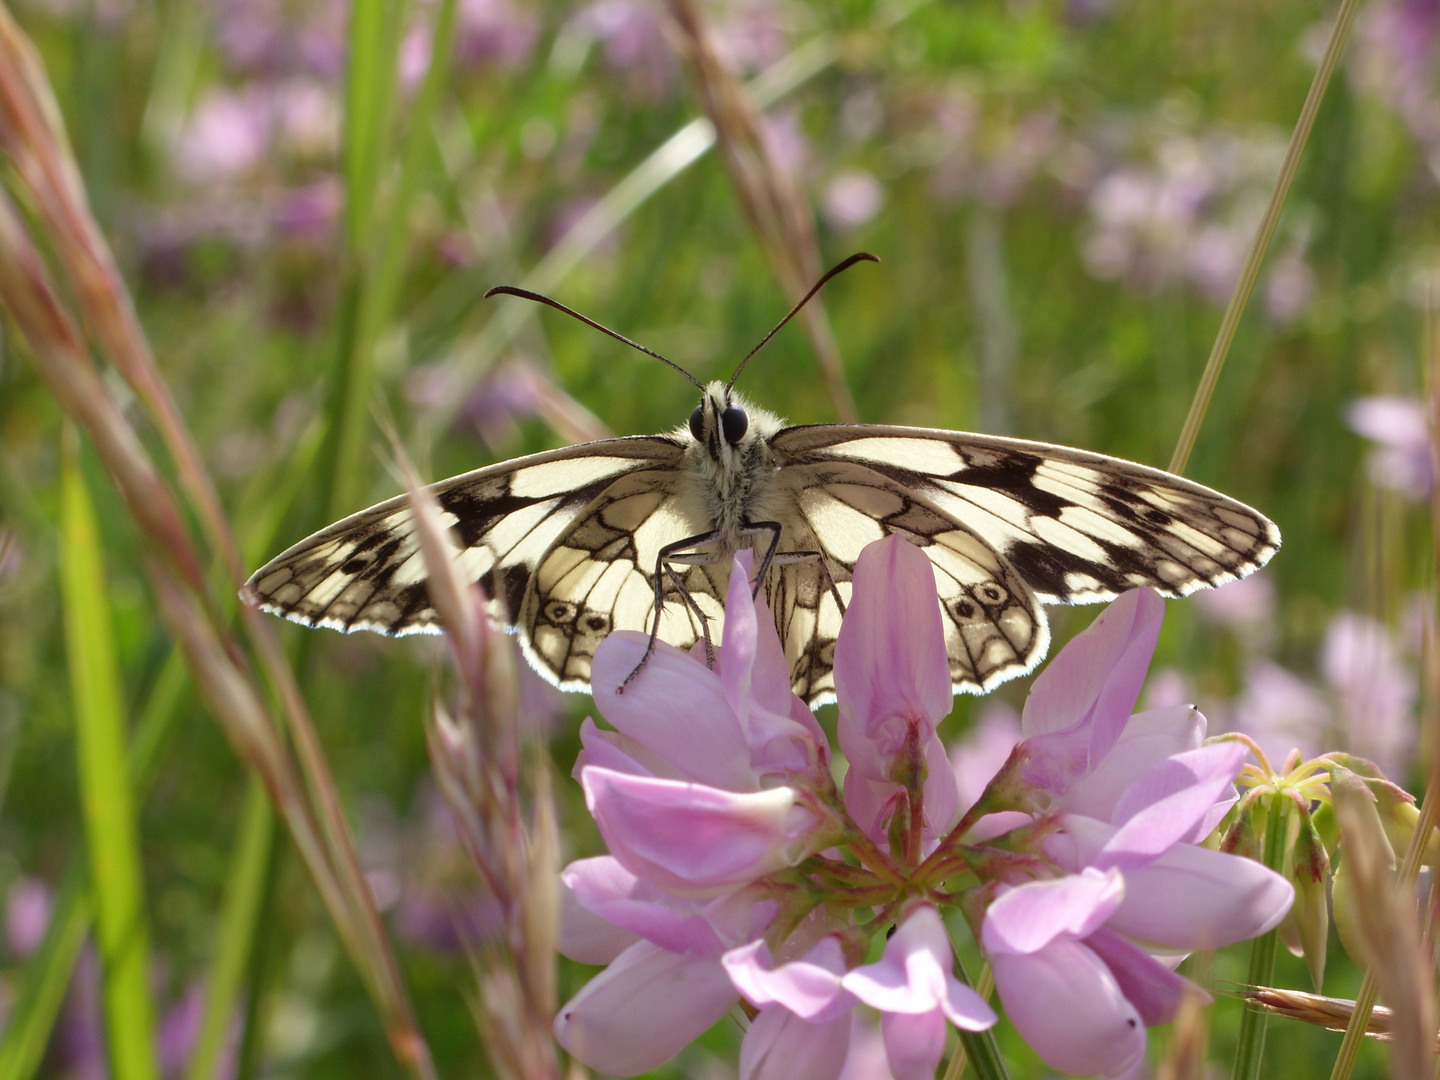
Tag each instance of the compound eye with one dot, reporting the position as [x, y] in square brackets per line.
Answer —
[734, 423]
[697, 423]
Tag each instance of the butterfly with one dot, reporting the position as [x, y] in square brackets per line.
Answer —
[637, 533]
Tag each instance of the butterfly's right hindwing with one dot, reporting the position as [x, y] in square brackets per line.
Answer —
[366, 572]
[599, 576]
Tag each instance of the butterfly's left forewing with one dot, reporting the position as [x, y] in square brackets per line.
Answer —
[1008, 524]
[1078, 527]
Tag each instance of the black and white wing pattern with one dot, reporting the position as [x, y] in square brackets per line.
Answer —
[1008, 525]
[564, 543]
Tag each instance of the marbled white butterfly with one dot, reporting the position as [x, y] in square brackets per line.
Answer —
[637, 533]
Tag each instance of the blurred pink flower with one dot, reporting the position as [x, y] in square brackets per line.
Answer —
[1376, 691]
[1167, 687]
[1280, 710]
[634, 44]
[496, 31]
[226, 135]
[1244, 605]
[27, 916]
[786, 141]
[1366, 702]
[310, 212]
[1289, 288]
[1401, 459]
[1394, 59]
[851, 199]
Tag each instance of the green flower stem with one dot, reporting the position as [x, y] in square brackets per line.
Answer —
[978, 1047]
[1251, 1050]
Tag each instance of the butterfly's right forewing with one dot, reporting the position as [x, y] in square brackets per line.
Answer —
[366, 572]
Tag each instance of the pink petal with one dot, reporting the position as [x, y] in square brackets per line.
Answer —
[913, 975]
[890, 658]
[782, 1046]
[602, 886]
[1165, 805]
[694, 840]
[1149, 738]
[941, 793]
[752, 666]
[620, 753]
[1189, 897]
[1028, 917]
[643, 1010]
[1154, 990]
[1100, 671]
[866, 1060]
[808, 987]
[586, 937]
[870, 803]
[913, 1043]
[1068, 1006]
[701, 738]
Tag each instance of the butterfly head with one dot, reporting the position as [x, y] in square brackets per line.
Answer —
[726, 427]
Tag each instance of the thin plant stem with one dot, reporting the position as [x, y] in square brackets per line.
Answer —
[980, 1048]
[1251, 1049]
[1339, 32]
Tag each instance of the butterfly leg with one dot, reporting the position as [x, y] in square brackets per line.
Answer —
[772, 557]
[677, 553]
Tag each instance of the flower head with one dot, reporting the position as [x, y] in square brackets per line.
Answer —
[737, 870]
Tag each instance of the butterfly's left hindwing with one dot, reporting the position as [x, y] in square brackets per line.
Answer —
[366, 572]
[994, 627]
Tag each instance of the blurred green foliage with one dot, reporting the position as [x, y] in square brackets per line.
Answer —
[1061, 193]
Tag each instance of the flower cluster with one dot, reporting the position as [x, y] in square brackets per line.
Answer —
[737, 869]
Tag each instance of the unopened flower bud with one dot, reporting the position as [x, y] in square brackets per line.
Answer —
[1306, 929]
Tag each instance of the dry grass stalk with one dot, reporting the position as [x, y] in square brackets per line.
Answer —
[1184, 1057]
[47, 182]
[1388, 928]
[477, 756]
[1333, 1014]
[770, 194]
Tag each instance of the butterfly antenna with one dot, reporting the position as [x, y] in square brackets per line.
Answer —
[859, 256]
[526, 294]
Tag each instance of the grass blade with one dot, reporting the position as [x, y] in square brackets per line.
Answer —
[108, 804]
[1261, 241]
[47, 976]
[243, 892]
